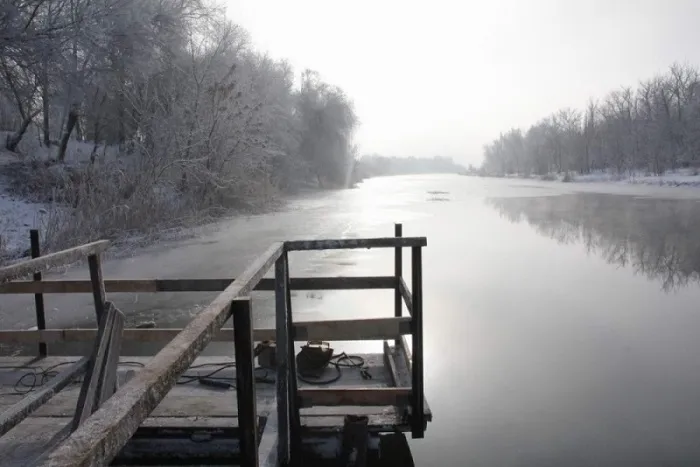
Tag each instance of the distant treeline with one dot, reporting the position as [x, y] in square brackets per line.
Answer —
[653, 128]
[376, 166]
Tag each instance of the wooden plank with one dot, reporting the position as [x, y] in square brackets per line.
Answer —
[418, 415]
[398, 273]
[100, 438]
[53, 260]
[354, 243]
[282, 358]
[38, 298]
[245, 382]
[330, 330]
[194, 285]
[353, 396]
[89, 395]
[406, 294]
[22, 409]
[391, 364]
[267, 449]
[97, 285]
[108, 379]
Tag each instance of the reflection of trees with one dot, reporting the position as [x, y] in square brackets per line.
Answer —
[655, 237]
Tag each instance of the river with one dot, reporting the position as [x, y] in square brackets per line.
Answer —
[561, 320]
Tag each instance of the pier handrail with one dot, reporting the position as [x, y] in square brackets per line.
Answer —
[102, 435]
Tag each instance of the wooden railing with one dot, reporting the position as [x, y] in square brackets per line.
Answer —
[102, 435]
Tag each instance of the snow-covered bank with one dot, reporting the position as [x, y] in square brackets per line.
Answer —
[681, 177]
[678, 178]
[17, 216]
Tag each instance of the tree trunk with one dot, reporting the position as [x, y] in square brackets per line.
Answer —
[13, 141]
[70, 124]
[45, 105]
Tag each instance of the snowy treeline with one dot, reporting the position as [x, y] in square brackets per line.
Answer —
[180, 114]
[652, 128]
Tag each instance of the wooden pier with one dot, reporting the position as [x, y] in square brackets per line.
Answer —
[178, 407]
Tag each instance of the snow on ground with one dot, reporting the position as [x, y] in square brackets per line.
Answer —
[681, 177]
[17, 216]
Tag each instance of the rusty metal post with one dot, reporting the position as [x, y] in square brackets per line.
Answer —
[245, 382]
[398, 271]
[417, 389]
[38, 298]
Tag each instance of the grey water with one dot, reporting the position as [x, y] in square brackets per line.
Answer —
[561, 320]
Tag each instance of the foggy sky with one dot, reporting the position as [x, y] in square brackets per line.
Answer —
[446, 77]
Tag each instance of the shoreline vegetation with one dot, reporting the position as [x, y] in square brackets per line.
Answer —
[649, 133]
[124, 119]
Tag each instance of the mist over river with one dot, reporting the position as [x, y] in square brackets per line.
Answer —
[561, 320]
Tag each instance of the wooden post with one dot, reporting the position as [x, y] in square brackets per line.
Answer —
[245, 382]
[38, 298]
[98, 285]
[398, 271]
[294, 413]
[282, 357]
[417, 422]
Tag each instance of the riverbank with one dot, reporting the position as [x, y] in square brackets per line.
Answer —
[671, 178]
[76, 202]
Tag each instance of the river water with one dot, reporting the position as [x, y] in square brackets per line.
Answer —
[561, 320]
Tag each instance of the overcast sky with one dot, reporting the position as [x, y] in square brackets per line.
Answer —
[446, 77]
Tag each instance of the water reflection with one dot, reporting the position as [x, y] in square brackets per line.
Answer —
[654, 237]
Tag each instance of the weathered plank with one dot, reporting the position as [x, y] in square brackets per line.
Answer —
[353, 396]
[53, 260]
[100, 438]
[89, 395]
[391, 364]
[329, 330]
[22, 409]
[194, 285]
[268, 447]
[108, 379]
[354, 243]
[406, 294]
